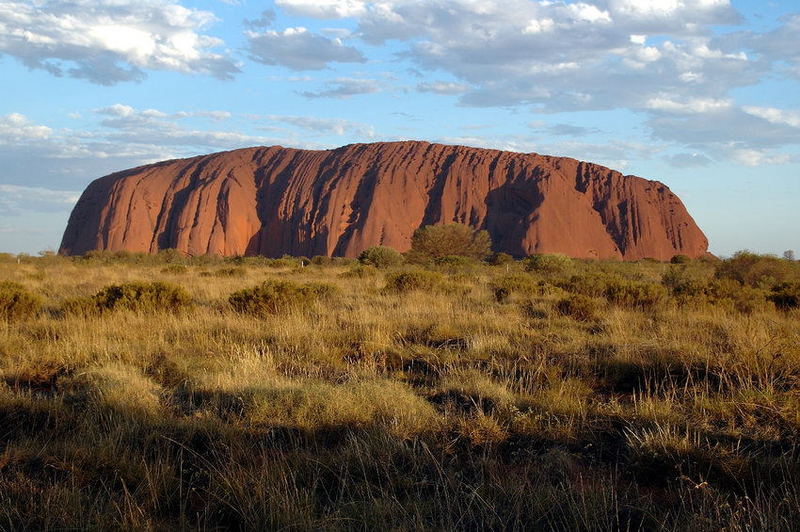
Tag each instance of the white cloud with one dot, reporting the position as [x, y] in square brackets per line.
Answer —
[324, 8]
[691, 105]
[442, 87]
[344, 88]
[775, 116]
[750, 157]
[15, 199]
[337, 126]
[110, 41]
[299, 49]
[688, 160]
[16, 128]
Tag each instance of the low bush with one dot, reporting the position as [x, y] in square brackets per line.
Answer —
[360, 271]
[762, 271]
[413, 280]
[547, 264]
[504, 287]
[680, 259]
[579, 307]
[500, 259]
[322, 260]
[618, 291]
[230, 272]
[273, 297]
[786, 296]
[175, 269]
[137, 296]
[380, 257]
[635, 294]
[17, 303]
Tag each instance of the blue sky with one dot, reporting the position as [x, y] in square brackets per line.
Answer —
[703, 95]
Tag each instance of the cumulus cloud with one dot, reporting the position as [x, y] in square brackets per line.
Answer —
[344, 88]
[664, 59]
[778, 46]
[299, 49]
[111, 41]
[324, 8]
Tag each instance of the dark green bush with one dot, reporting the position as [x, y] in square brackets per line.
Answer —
[454, 261]
[436, 241]
[763, 271]
[322, 260]
[619, 291]
[230, 272]
[360, 271]
[142, 297]
[17, 303]
[273, 297]
[380, 257]
[504, 287]
[83, 307]
[578, 307]
[500, 259]
[786, 296]
[413, 280]
[175, 269]
[635, 294]
[547, 264]
[680, 259]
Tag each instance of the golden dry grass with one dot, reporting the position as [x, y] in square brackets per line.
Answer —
[442, 408]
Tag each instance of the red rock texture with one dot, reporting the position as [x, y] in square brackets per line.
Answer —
[274, 201]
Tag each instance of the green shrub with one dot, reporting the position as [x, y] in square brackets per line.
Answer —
[273, 297]
[503, 287]
[436, 241]
[547, 264]
[142, 297]
[786, 296]
[17, 303]
[500, 259]
[413, 280]
[594, 285]
[680, 259]
[175, 269]
[761, 271]
[322, 260]
[360, 271]
[635, 294]
[454, 261]
[380, 257]
[83, 307]
[230, 272]
[578, 307]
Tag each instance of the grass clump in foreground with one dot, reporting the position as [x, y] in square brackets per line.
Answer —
[273, 297]
[572, 395]
[154, 296]
[17, 303]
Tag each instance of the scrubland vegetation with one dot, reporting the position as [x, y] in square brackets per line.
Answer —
[546, 393]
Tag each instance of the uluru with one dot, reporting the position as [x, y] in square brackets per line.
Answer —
[273, 201]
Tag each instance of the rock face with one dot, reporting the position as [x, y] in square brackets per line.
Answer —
[274, 201]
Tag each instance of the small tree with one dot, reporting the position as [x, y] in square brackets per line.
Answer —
[437, 241]
[789, 254]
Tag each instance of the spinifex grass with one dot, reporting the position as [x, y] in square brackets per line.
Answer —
[491, 398]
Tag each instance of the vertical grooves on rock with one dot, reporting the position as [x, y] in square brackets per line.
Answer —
[275, 200]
